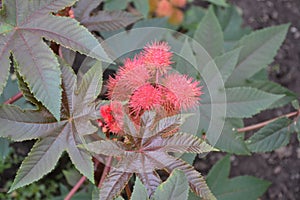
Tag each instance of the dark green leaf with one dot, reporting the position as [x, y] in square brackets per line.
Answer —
[41, 160]
[259, 49]
[242, 187]
[219, 173]
[232, 24]
[142, 7]
[55, 137]
[274, 88]
[139, 191]
[30, 21]
[4, 148]
[209, 34]
[230, 140]
[107, 20]
[225, 63]
[72, 176]
[246, 101]
[115, 4]
[218, 2]
[176, 187]
[272, 136]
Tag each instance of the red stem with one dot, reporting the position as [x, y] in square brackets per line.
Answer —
[75, 188]
[15, 98]
[105, 171]
[262, 124]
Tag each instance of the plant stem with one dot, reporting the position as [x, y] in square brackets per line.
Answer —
[75, 188]
[105, 171]
[13, 99]
[262, 124]
[128, 191]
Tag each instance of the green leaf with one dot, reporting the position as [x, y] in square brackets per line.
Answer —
[72, 176]
[225, 63]
[246, 102]
[4, 148]
[106, 147]
[19, 125]
[274, 88]
[37, 64]
[219, 173]
[40, 161]
[259, 49]
[241, 187]
[236, 188]
[107, 20]
[209, 34]
[114, 184]
[55, 137]
[139, 191]
[84, 8]
[232, 24]
[218, 2]
[115, 4]
[230, 140]
[176, 187]
[272, 136]
[142, 7]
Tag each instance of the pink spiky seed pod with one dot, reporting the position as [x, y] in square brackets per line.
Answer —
[157, 57]
[146, 97]
[186, 90]
[129, 77]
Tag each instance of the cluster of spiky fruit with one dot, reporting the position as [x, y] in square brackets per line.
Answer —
[147, 83]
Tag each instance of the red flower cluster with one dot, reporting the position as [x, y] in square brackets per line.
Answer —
[146, 83]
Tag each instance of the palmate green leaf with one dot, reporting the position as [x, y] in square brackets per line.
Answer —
[209, 34]
[139, 191]
[55, 137]
[246, 102]
[242, 187]
[272, 136]
[259, 49]
[24, 24]
[102, 20]
[175, 187]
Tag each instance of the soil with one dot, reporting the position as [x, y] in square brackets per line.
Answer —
[281, 167]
